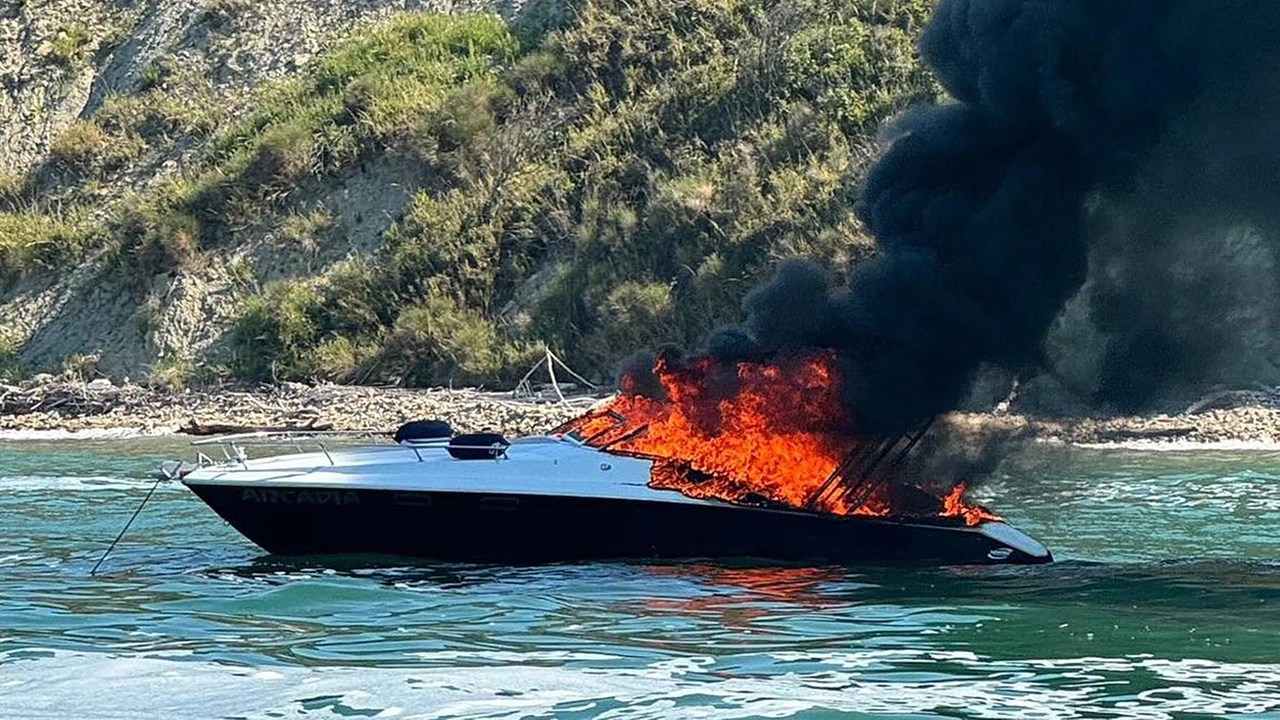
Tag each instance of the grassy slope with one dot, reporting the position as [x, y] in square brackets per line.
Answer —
[613, 179]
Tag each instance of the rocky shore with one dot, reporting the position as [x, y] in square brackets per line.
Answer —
[100, 405]
[52, 404]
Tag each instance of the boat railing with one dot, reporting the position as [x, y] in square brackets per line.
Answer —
[234, 446]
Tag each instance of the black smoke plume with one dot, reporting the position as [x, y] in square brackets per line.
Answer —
[1083, 139]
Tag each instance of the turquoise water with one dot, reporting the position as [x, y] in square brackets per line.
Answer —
[1163, 605]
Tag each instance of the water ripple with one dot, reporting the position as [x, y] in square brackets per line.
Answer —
[1162, 608]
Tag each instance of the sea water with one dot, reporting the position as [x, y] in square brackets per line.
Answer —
[1163, 604]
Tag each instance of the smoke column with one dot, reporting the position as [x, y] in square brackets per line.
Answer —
[1084, 140]
[1183, 280]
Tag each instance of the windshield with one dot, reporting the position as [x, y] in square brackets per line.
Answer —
[584, 433]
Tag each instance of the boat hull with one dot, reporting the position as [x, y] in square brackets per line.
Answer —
[525, 528]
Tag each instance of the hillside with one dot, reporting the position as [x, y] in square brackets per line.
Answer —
[364, 192]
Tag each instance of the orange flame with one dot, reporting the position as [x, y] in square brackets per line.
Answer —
[750, 433]
[953, 505]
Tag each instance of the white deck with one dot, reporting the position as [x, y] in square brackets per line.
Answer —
[530, 466]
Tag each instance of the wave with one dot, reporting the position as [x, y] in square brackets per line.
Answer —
[119, 433]
[1186, 445]
[71, 482]
[46, 683]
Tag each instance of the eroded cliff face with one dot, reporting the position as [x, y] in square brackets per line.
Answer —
[46, 62]
[59, 59]
[62, 60]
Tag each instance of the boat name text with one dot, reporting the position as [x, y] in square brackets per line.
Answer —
[300, 497]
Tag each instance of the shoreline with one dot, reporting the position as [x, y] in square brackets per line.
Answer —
[56, 410]
[101, 409]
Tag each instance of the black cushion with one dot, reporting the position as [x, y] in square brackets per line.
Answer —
[478, 446]
[419, 430]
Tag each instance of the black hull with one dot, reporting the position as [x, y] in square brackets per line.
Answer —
[474, 527]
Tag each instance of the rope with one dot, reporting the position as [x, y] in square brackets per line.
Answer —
[126, 525]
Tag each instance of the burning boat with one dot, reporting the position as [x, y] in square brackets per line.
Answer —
[743, 474]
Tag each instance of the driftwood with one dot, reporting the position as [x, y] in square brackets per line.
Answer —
[195, 427]
[1152, 433]
[70, 399]
[52, 403]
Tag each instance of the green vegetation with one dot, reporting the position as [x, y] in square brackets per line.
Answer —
[172, 372]
[153, 75]
[79, 143]
[70, 47]
[81, 367]
[643, 167]
[620, 184]
[31, 241]
[596, 181]
[159, 116]
[11, 185]
[87, 149]
[124, 127]
[364, 99]
[10, 360]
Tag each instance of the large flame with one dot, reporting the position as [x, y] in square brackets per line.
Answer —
[753, 433]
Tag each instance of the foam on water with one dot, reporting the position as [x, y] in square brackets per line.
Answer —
[118, 433]
[68, 482]
[188, 620]
[49, 684]
[1187, 446]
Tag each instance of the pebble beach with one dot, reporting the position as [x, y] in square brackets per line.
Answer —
[100, 407]
[53, 406]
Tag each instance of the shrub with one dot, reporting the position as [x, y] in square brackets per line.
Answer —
[85, 148]
[341, 359]
[241, 272]
[438, 341]
[12, 185]
[634, 315]
[854, 72]
[172, 372]
[10, 356]
[275, 331]
[70, 46]
[154, 237]
[624, 182]
[284, 155]
[153, 74]
[80, 143]
[81, 367]
[31, 240]
[157, 116]
[307, 231]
